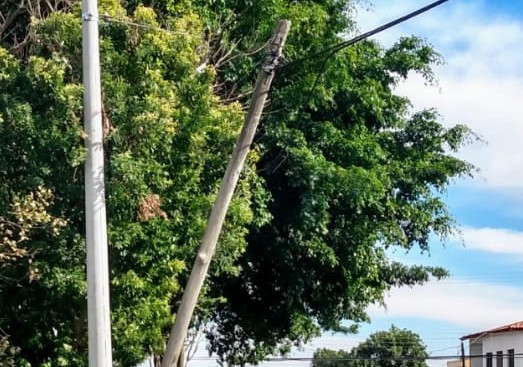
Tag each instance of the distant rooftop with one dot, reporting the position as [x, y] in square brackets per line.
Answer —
[515, 326]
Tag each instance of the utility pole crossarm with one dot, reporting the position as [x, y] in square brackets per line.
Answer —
[219, 210]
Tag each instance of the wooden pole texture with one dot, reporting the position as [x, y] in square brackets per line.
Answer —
[219, 210]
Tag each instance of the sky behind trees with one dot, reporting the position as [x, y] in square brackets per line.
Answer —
[481, 86]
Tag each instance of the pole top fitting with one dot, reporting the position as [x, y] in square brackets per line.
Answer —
[274, 53]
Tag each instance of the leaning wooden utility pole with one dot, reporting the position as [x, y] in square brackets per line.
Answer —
[98, 317]
[219, 210]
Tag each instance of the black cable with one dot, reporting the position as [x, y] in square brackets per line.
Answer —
[356, 358]
[330, 51]
[340, 46]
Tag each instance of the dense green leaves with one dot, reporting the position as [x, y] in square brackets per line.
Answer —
[167, 139]
[341, 171]
[351, 173]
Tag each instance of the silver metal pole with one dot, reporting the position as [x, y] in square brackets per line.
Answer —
[98, 316]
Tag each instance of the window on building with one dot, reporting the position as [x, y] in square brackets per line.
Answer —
[499, 358]
[510, 357]
[489, 360]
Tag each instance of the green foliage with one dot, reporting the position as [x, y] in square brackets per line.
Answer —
[324, 357]
[167, 143]
[7, 353]
[351, 173]
[392, 348]
[338, 174]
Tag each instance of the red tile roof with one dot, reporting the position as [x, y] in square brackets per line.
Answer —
[515, 326]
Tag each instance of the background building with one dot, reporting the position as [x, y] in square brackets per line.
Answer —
[498, 347]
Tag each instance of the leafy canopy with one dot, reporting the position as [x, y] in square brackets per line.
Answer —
[351, 172]
[339, 173]
[167, 139]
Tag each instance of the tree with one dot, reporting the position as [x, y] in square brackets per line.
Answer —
[339, 173]
[391, 348]
[324, 357]
[350, 173]
[167, 143]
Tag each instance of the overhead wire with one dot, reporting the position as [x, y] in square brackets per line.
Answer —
[377, 359]
[338, 47]
[328, 52]
[110, 19]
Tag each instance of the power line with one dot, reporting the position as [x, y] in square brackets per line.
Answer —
[356, 358]
[332, 50]
[338, 47]
[329, 51]
[110, 19]
[442, 349]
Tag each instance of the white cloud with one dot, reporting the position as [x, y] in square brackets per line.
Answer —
[481, 85]
[491, 106]
[471, 305]
[497, 240]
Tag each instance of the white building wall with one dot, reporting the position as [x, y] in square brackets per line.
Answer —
[493, 343]
[476, 349]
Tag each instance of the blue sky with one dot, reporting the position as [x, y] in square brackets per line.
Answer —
[481, 85]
